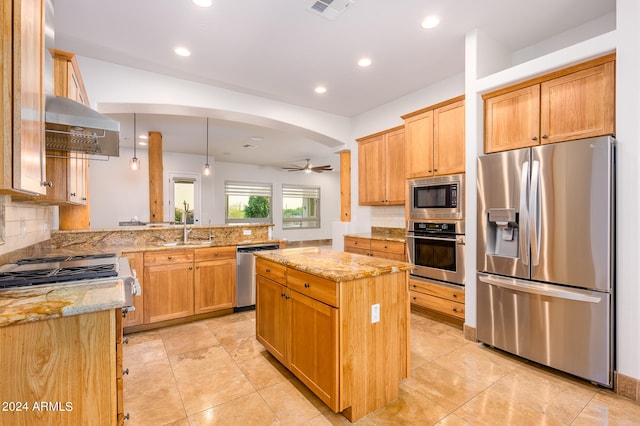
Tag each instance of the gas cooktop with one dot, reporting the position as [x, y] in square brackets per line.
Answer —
[58, 269]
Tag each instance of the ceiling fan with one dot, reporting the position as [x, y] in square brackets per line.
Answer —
[308, 168]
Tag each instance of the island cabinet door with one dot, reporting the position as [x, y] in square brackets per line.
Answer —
[314, 347]
[273, 317]
[168, 292]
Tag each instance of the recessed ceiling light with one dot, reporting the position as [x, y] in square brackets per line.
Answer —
[430, 22]
[202, 3]
[256, 138]
[142, 143]
[320, 89]
[364, 62]
[182, 51]
[143, 137]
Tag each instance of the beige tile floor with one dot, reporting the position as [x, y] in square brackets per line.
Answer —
[214, 372]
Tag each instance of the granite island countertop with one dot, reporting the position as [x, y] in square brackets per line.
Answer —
[333, 265]
[38, 303]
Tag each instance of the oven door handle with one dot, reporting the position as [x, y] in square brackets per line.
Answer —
[453, 240]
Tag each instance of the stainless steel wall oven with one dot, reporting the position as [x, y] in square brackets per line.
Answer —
[437, 250]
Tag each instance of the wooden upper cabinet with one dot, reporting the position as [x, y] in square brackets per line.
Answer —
[512, 120]
[578, 105]
[419, 139]
[448, 139]
[22, 151]
[574, 103]
[381, 168]
[435, 139]
[67, 78]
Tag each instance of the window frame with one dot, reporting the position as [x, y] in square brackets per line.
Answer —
[301, 189]
[244, 188]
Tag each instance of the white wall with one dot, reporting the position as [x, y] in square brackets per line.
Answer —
[119, 194]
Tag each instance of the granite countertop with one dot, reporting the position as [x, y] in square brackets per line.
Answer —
[193, 244]
[333, 265]
[38, 303]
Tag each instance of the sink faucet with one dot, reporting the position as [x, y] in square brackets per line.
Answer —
[186, 231]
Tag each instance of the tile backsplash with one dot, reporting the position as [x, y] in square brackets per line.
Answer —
[388, 217]
[22, 224]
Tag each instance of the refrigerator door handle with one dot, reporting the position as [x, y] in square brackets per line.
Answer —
[541, 289]
[534, 213]
[524, 214]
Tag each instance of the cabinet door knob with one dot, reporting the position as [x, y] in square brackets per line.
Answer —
[414, 298]
[286, 296]
[435, 170]
[455, 296]
[306, 285]
[282, 294]
[197, 267]
[125, 340]
[216, 254]
[126, 416]
[535, 138]
[46, 183]
[191, 268]
[429, 170]
[169, 257]
[545, 137]
[268, 270]
[125, 372]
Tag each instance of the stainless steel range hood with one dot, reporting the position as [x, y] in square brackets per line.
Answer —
[72, 126]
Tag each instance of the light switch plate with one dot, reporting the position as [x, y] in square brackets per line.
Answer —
[375, 313]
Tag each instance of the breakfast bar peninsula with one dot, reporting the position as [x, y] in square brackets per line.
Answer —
[338, 321]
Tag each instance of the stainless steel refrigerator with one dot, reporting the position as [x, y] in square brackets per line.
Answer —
[546, 255]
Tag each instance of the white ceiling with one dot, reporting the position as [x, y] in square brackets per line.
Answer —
[279, 50]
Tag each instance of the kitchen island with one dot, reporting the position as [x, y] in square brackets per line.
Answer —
[61, 357]
[338, 321]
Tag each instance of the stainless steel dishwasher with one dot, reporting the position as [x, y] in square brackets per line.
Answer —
[246, 275]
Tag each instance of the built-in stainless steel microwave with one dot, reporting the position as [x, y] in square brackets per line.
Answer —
[439, 197]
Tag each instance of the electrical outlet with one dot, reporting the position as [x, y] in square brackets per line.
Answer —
[246, 232]
[375, 313]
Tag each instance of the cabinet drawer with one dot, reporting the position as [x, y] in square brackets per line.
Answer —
[273, 271]
[215, 253]
[357, 250]
[393, 247]
[321, 289]
[438, 304]
[167, 257]
[391, 256]
[451, 293]
[357, 243]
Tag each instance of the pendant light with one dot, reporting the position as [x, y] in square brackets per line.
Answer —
[207, 167]
[134, 164]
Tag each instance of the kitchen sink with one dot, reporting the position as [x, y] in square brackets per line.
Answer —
[188, 243]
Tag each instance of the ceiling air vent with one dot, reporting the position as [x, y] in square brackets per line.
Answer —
[330, 9]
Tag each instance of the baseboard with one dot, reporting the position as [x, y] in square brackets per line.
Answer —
[628, 387]
[470, 333]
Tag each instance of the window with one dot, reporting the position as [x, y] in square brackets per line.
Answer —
[248, 202]
[300, 207]
[183, 192]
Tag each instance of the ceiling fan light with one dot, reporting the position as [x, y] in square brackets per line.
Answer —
[307, 170]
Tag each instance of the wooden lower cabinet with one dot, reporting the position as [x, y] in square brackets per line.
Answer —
[394, 250]
[168, 278]
[272, 318]
[443, 298]
[314, 346]
[321, 331]
[214, 279]
[62, 371]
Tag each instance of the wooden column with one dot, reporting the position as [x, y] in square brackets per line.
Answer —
[156, 199]
[345, 186]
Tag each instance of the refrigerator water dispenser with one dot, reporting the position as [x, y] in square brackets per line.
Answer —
[503, 231]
